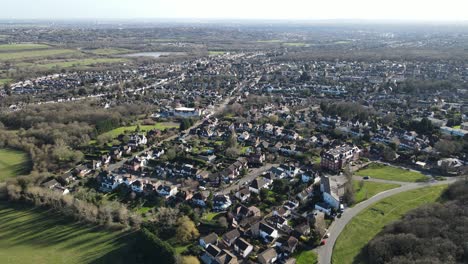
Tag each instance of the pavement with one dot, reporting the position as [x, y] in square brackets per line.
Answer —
[325, 252]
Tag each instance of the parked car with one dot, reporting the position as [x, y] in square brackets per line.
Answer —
[366, 177]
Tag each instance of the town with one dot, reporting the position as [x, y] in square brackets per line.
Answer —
[239, 156]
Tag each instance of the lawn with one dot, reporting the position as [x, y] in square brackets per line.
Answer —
[22, 46]
[306, 257]
[3, 81]
[12, 163]
[211, 216]
[32, 54]
[161, 126]
[38, 236]
[372, 220]
[380, 171]
[370, 189]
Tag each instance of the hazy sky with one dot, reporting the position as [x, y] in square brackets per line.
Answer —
[245, 9]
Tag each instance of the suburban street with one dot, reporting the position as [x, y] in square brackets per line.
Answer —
[325, 252]
[218, 109]
[253, 173]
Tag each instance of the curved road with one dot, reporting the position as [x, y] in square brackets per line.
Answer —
[325, 252]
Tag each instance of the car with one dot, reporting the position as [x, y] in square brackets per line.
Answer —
[323, 242]
[202, 188]
[366, 177]
[327, 235]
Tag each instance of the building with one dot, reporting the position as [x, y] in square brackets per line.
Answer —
[331, 191]
[337, 158]
[242, 247]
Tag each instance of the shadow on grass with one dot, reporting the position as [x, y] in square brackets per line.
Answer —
[38, 228]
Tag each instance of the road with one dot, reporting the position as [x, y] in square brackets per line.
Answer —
[253, 173]
[325, 252]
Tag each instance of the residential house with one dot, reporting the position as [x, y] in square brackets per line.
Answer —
[166, 190]
[268, 256]
[243, 194]
[287, 246]
[309, 176]
[331, 191]
[211, 239]
[221, 202]
[226, 257]
[211, 252]
[265, 231]
[230, 237]
[137, 186]
[259, 183]
[199, 199]
[242, 247]
[110, 182]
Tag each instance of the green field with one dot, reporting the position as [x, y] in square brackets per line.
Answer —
[3, 81]
[37, 236]
[110, 51]
[161, 126]
[373, 219]
[12, 163]
[78, 63]
[295, 44]
[269, 41]
[370, 189]
[306, 257]
[22, 46]
[32, 54]
[213, 52]
[384, 172]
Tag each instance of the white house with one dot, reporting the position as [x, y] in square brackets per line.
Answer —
[167, 191]
[242, 247]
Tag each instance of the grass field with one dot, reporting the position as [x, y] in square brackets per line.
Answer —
[12, 163]
[161, 126]
[38, 236]
[213, 52]
[269, 41]
[110, 51]
[73, 63]
[33, 54]
[3, 81]
[22, 46]
[372, 220]
[306, 257]
[295, 44]
[384, 172]
[370, 189]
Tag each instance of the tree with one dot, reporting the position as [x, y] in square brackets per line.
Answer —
[186, 230]
[349, 191]
[222, 221]
[151, 248]
[232, 152]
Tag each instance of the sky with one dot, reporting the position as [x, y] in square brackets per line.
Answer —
[414, 10]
